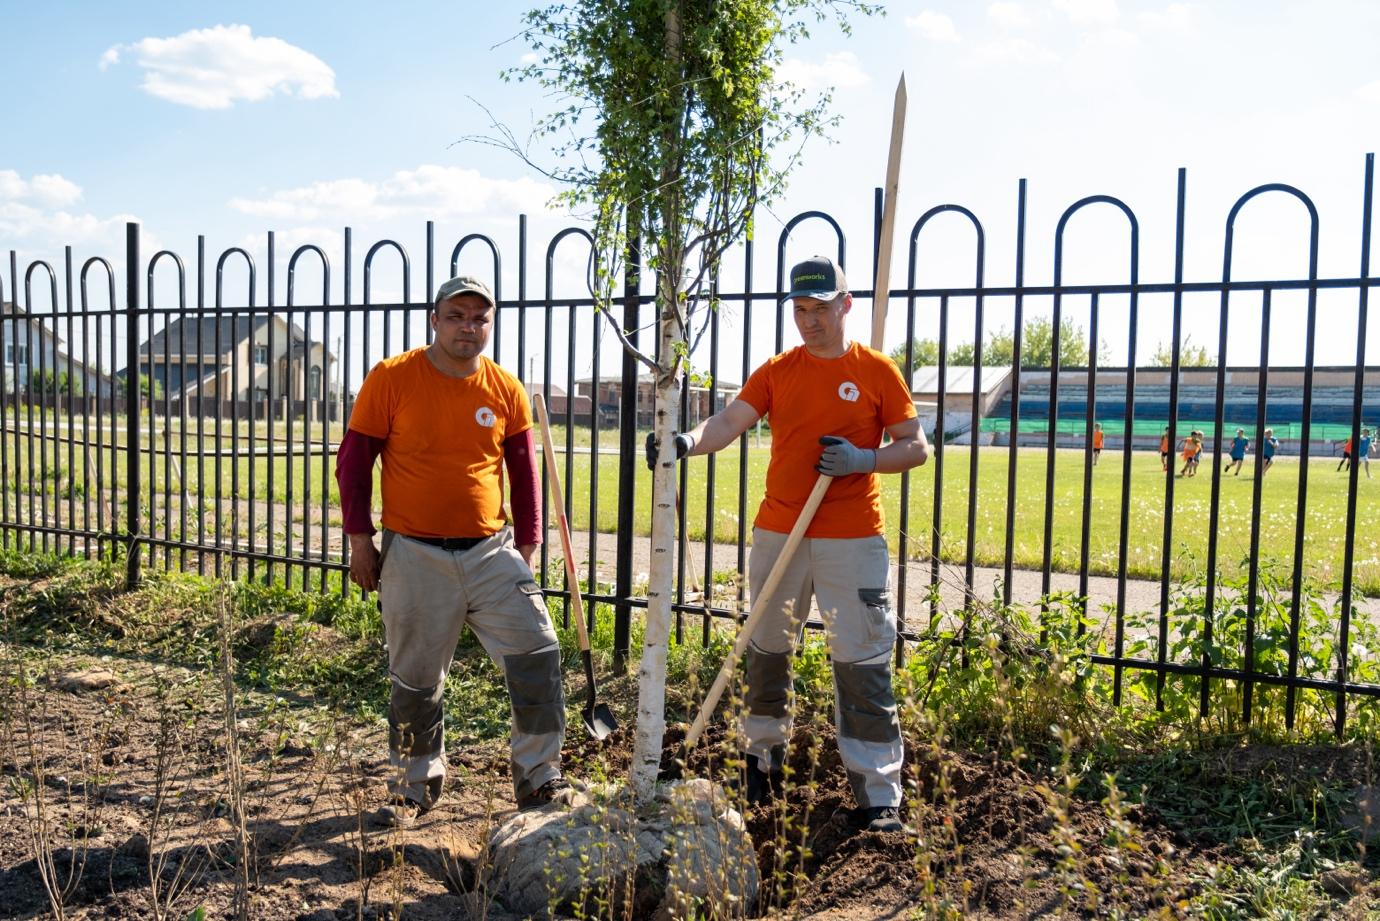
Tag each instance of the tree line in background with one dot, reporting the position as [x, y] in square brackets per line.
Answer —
[1037, 349]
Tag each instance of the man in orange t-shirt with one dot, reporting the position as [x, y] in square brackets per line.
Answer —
[843, 396]
[445, 418]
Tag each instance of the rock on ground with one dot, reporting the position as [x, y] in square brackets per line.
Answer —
[85, 681]
[686, 852]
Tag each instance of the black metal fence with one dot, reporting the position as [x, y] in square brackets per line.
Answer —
[231, 473]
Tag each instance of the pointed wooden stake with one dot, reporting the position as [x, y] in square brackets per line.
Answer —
[882, 284]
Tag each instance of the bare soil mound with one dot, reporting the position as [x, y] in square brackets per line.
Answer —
[988, 838]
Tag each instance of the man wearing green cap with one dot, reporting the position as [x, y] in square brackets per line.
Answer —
[445, 418]
[843, 396]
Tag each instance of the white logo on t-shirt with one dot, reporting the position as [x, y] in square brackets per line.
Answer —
[485, 417]
[848, 391]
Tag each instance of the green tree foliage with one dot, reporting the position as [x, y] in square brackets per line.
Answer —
[1037, 345]
[1037, 348]
[1190, 355]
[963, 353]
[923, 352]
[676, 125]
[49, 381]
[147, 387]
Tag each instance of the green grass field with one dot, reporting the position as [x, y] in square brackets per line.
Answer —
[1324, 534]
[312, 485]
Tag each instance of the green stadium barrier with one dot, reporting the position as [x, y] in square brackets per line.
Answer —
[1155, 427]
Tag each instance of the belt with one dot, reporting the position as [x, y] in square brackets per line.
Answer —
[452, 543]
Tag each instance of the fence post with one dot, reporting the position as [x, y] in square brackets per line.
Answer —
[627, 463]
[132, 384]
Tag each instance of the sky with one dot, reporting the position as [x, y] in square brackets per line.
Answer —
[232, 120]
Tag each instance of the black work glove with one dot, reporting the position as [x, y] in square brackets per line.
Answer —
[683, 445]
[841, 458]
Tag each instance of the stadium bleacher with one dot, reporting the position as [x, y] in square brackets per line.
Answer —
[1331, 407]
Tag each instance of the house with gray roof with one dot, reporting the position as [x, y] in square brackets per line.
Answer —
[213, 362]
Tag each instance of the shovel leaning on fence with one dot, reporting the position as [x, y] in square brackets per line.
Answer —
[598, 717]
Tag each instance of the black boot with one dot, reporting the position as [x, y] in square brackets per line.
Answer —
[760, 787]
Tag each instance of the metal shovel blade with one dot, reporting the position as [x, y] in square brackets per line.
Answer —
[599, 720]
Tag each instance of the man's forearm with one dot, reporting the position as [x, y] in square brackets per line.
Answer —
[903, 455]
[721, 429]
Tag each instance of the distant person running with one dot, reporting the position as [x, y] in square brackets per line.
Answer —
[1190, 447]
[1239, 444]
[1363, 453]
[1346, 453]
[1198, 438]
[1267, 450]
[1164, 450]
[1097, 442]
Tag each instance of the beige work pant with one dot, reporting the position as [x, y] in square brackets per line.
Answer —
[848, 578]
[428, 596]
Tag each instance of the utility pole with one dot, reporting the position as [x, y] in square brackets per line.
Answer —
[339, 392]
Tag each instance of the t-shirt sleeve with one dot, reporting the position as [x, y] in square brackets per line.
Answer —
[897, 403]
[519, 410]
[372, 413]
[757, 391]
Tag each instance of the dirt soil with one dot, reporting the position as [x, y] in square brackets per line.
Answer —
[109, 751]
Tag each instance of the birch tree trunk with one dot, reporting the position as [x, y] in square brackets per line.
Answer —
[651, 673]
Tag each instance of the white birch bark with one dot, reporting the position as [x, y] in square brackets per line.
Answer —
[651, 673]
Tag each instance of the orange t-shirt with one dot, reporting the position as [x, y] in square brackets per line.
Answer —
[443, 443]
[1097, 440]
[1164, 444]
[855, 396]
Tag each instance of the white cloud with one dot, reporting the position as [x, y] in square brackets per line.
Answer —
[1176, 17]
[44, 190]
[1112, 39]
[35, 216]
[1088, 12]
[429, 190]
[216, 67]
[1370, 93]
[1014, 51]
[1007, 14]
[838, 69]
[936, 27]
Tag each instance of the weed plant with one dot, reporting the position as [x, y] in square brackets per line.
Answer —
[1016, 690]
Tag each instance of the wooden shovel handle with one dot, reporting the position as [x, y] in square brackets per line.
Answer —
[778, 571]
[558, 502]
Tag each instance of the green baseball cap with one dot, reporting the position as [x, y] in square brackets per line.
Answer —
[464, 284]
[818, 277]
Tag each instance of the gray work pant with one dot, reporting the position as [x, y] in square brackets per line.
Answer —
[848, 579]
[428, 595]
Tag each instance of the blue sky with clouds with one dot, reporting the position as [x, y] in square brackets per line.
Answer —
[234, 119]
